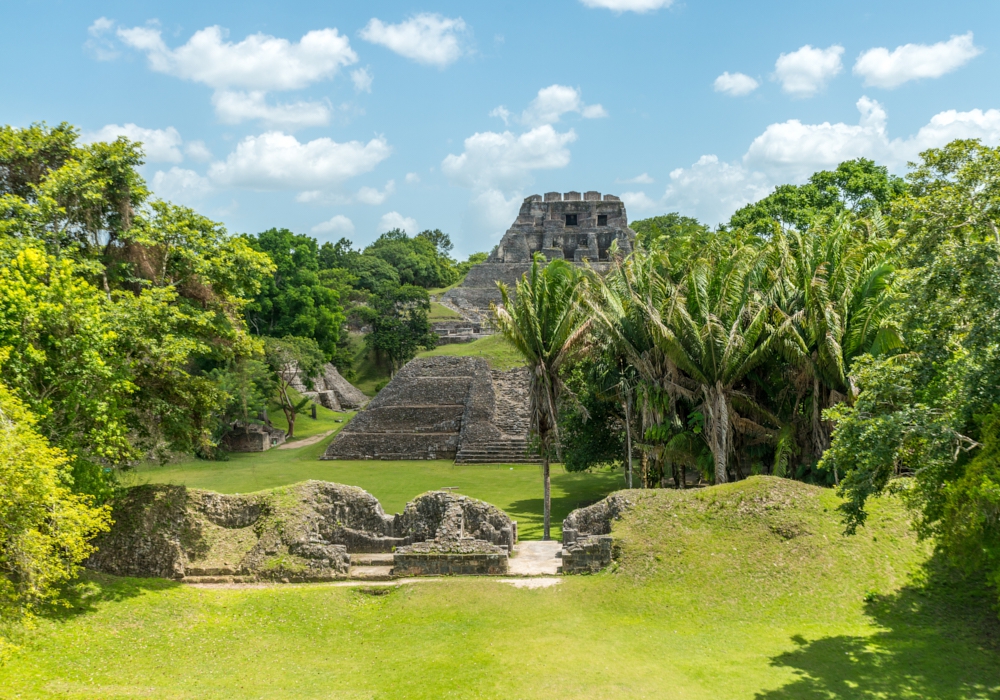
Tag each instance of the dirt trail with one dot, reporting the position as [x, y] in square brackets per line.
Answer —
[305, 443]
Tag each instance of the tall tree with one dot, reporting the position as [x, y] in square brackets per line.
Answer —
[399, 325]
[292, 360]
[546, 324]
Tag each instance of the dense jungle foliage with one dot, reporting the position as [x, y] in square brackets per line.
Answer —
[841, 332]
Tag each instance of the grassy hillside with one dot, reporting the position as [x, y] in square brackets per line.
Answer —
[746, 591]
[492, 348]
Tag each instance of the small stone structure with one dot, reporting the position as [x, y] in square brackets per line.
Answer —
[442, 408]
[463, 331]
[567, 226]
[587, 541]
[304, 532]
[252, 437]
[331, 390]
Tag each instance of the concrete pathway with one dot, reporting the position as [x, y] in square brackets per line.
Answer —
[304, 443]
[535, 558]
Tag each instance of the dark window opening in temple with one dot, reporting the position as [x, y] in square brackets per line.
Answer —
[602, 219]
[571, 219]
[581, 241]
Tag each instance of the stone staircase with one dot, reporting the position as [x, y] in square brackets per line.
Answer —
[509, 450]
[371, 567]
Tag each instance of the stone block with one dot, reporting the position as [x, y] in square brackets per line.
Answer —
[592, 196]
[572, 197]
[553, 196]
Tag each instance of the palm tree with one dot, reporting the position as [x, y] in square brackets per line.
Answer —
[836, 300]
[546, 325]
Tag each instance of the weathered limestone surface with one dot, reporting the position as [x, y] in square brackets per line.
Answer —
[570, 227]
[442, 408]
[298, 533]
[331, 390]
[252, 438]
[587, 542]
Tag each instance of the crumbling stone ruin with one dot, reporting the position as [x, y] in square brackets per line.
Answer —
[252, 437]
[586, 534]
[443, 408]
[305, 532]
[331, 390]
[567, 226]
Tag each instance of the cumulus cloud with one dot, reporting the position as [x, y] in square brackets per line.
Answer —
[197, 150]
[339, 225]
[362, 79]
[371, 195]
[735, 84]
[620, 6]
[790, 151]
[430, 39]
[805, 72]
[553, 102]
[160, 145]
[234, 107]
[502, 113]
[504, 161]
[412, 179]
[259, 62]
[914, 61]
[100, 44]
[490, 212]
[396, 220]
[180, 185]
[275, 160]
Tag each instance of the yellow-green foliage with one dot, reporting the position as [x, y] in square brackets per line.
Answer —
[45, 529]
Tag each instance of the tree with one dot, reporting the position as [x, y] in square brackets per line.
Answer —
[399, 326]
[547, 326]
[421, 261]
[292, 360]
[45, 529]
[295, 301]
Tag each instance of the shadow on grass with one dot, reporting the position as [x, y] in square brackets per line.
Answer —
[93, 589]
[940, 639]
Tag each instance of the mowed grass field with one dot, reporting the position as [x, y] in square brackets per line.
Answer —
[515, 488]
[744, 591]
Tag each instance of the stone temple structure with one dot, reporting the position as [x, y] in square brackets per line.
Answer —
[570, 226]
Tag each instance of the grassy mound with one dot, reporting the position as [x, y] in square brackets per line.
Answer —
[497, 353]
[741, 591]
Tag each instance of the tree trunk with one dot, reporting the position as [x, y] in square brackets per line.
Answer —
[718, 429]
[289, 410]
[628, 437]
[547, 508]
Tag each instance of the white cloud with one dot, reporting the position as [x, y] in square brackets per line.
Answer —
[362, 79]
[643, 179]
[735, 84]
[490, 213]
[259, 62]
[629, 5]
[639, 201]
[503, 113]
[339, 225]
[396, 220]
[426, 38]
[505, 161]
[180, 185]
[412, 179]
[197, 150]
[791, 151]
[805, 72]
[275, 160]
[796, 150]
[553, 102]
[159, 145]
[100, 44]
[371, 195]
[233, 107]
[914, 61]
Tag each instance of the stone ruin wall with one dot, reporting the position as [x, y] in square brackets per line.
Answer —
[586, 534]
[569, 226]
[304, 532]
[441, 408]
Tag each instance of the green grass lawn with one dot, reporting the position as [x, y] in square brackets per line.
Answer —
[747, 591]
[515, 488]
[440, 312]
[492, 348]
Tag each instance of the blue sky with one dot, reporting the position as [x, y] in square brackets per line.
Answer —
[343, 119]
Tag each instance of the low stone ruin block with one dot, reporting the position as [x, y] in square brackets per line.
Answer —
[588, 554]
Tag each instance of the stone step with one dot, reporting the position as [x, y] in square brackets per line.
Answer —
[218, 579]
[371, 573]
[368, 559]
[209, 571]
